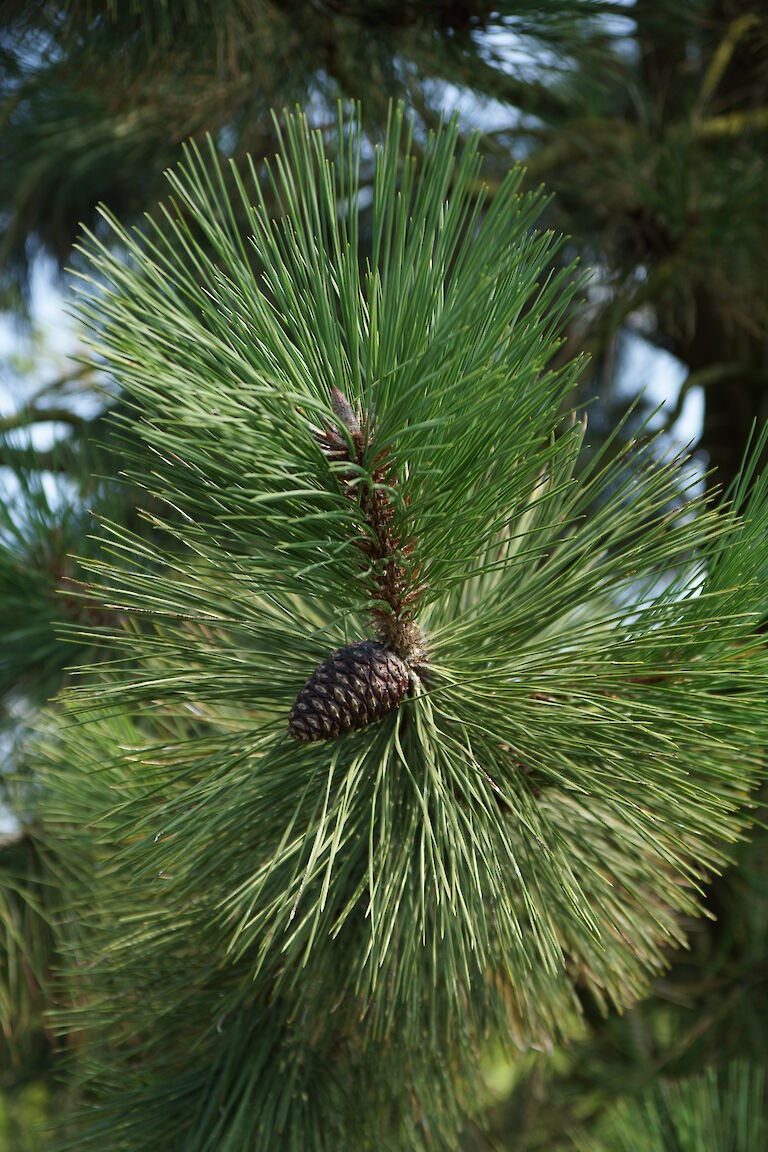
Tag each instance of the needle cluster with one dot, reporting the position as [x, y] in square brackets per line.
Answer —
[288, 945]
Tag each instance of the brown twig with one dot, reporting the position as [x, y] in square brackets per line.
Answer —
[386, 549]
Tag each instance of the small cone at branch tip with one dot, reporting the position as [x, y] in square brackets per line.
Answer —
[355, 686]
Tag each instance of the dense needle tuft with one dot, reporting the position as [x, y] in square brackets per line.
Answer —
[361, 921]
[353, 687]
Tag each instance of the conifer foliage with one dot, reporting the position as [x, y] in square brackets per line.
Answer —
[305, 945]
[716, 1112]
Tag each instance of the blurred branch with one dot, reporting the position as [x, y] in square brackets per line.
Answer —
[702, 378]
[32, 415]
[60, 382]
[734, 124]
[581, 135]
[722, 58]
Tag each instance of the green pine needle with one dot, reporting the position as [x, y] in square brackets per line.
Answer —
[269, 938]
[716, 1112]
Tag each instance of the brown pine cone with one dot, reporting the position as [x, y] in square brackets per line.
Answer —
[353, 687]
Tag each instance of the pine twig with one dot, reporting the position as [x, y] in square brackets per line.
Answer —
[33, 415]
[385, 548]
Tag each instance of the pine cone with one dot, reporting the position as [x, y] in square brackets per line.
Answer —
[353, 687]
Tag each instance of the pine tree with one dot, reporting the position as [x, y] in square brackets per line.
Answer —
[272, 943]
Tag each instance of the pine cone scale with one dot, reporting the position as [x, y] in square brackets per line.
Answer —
[353, 687]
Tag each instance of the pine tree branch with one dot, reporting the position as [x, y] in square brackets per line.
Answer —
[33, 415]
[532, 826]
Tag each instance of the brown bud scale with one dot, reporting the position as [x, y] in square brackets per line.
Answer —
[355, 686]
